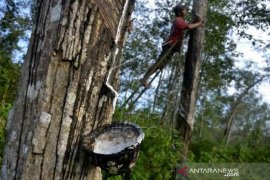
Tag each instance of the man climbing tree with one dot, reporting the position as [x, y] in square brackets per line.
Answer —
[174, 41]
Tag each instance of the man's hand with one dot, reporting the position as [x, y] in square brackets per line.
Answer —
[199, 20]
[202, 22]
[196, 23]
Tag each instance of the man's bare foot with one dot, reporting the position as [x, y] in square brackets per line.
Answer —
[144, 83]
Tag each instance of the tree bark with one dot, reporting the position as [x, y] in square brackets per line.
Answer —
[187, 105]
[68, 87]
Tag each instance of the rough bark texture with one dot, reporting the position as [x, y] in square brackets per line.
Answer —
[187, 105]
[67, 88]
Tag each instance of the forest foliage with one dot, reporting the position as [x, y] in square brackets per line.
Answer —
[243, 112]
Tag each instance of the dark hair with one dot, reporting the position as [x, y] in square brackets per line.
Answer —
[178, 8]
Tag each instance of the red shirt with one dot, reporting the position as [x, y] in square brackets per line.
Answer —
[178, 27]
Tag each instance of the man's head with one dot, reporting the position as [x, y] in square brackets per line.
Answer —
[180, 10]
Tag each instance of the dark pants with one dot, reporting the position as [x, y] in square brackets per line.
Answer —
[164, 57]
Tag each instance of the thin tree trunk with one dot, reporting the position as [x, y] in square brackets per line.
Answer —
[187, 105]
[230, 124]
[157, 92]
[234, 107]
[230, 118]
[202, 117]
[172, 97]
[177, 84]
[168, 96]
[67, 88]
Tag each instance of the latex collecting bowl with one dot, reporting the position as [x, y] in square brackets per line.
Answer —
[114, 147]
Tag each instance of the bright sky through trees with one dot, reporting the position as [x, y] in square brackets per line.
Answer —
[250, 53]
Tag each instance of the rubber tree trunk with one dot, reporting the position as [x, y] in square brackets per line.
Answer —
[68, 87]
[188, 99]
